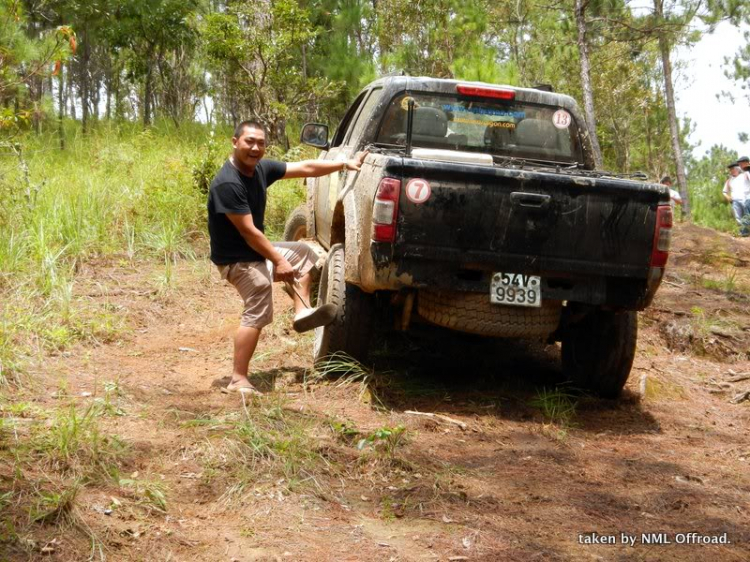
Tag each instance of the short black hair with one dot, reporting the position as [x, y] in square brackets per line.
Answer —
[732, 165]
[666, 179]
[249, 123]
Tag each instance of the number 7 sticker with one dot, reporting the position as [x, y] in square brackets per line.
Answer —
[418, 191]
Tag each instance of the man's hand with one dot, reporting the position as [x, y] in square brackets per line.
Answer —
[355, 164]
[283, 271]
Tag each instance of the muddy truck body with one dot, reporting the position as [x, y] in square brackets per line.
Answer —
[479, 209]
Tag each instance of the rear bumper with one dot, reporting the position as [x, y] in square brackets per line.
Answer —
[619, 286]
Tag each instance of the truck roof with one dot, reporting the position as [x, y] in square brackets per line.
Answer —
[448, 86]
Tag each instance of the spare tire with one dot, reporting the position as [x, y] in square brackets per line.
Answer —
[295, 227]
[475, 314]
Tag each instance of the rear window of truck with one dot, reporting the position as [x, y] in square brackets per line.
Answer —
[492, 126]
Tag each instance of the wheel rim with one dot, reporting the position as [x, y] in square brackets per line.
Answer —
[299, 233]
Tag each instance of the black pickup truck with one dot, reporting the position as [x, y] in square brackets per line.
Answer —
[479, 209]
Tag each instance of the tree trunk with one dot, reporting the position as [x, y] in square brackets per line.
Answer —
[61, 108]
[108, 89]
[147, 98]
[588, 93]
[71, 92]
[649, 155]
[36, 87]
[674, 128]
[85, 82]
[118, 94]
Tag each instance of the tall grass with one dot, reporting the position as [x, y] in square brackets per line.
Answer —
[119, 191]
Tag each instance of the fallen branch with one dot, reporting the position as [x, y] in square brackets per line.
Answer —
[739, 378]
[741, 397]
[459, 423]
[721, 332]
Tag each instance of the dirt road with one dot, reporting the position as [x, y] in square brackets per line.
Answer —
[345, 470]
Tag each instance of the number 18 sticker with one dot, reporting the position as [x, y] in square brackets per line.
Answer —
[561, 119]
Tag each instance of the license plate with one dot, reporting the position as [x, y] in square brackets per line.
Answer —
[516, 289]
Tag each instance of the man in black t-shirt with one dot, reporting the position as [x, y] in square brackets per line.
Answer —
[239, 247]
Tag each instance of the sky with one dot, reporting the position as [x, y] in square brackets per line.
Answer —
[717, 121]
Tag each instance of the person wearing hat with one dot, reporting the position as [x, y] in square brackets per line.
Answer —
[744, 163]
[737, 192]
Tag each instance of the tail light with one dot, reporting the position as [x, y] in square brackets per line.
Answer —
[662, 236]
[385, 210]
[484, 92]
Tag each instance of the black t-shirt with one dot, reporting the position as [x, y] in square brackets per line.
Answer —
[235, 193]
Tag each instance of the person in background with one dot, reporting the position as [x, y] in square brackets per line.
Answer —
[744, 163]
[674, 196]
[737, 192]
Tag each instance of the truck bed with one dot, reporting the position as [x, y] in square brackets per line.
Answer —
[587, 237]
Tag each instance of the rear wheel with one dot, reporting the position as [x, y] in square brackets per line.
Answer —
[598, 351]
[296, 225]
[352, 329]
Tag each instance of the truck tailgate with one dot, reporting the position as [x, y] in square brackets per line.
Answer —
[529, 221]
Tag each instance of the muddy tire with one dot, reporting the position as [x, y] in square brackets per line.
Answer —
[352, 329]
[598, 351]
[296, 225]
[475, 314]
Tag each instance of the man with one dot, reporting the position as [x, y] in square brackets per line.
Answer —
[236, 209]
[674, 196]
[737, 192]
[744, 163]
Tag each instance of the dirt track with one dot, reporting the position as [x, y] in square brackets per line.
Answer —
[509, 484]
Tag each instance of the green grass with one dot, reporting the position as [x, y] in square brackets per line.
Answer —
[558, 406]
[119, 194]
[118, 191]
[48, 456]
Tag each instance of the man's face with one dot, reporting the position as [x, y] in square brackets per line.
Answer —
[734, 172]
[744, 165]
[249, 147]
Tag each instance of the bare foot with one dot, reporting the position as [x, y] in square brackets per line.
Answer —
[241, 385]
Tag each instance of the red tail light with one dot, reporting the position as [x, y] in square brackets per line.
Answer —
[484, 92]
[662, 236]
[385, 210]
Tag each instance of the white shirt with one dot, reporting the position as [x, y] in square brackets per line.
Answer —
[738, 187]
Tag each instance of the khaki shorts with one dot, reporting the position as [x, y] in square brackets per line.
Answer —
[253, 281]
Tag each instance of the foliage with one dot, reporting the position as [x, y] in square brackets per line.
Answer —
[706, 178]
[257, 51]
[25, 59]
[738, 68]
[385, 439]
[557, 405]
[289, 61]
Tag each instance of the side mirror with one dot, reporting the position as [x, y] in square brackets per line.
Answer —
[315, 134]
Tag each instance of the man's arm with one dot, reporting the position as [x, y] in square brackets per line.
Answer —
[258, 242]
[317, 168]
[726, 192]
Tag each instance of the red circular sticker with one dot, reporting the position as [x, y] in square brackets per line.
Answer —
[561, 119]
[418, 191]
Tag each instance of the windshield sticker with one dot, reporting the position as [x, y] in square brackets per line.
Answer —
[484, 111]
[494, 124]
[561, 119]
